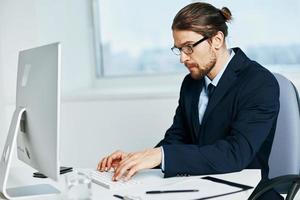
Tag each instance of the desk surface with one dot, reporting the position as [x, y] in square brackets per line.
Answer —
[23, 175]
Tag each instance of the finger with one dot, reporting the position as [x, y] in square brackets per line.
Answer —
[114, 157]
[131, 156]
[132, 172]
[124, 163]
[109, 161]
[122, 169]
[124, 155]
[114, 165]
[99, 164]
[103, 164]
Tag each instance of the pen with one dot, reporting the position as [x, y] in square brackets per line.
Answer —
[118, 196]
[169, 191]
[126, 197]
[233, 184]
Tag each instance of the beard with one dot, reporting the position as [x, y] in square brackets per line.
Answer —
[198, 71]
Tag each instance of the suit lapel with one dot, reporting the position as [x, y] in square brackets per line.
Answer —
[194, 105]
[238, 62]
[222, 88]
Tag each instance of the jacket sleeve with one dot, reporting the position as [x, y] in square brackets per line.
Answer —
[256, 118]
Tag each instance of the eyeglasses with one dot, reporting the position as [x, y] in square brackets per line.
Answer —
[188, 49]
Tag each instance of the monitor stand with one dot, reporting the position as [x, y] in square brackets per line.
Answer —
[5, 164]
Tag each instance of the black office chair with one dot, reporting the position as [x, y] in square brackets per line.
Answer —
[284, 161]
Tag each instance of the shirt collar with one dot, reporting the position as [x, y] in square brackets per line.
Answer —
[216, 80]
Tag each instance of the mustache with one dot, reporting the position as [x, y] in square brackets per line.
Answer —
[190, 65]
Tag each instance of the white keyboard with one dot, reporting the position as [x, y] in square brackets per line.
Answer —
[104, 179]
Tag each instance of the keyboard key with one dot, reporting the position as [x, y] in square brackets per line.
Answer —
[104, 179]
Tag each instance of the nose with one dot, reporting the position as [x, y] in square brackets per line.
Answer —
[183, 57]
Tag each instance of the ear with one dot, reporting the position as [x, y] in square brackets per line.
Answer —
[218, 40]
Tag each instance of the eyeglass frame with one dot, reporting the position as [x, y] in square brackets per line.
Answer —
[190, 47]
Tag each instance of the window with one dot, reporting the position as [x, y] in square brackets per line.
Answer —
[135, 37]
[267, 31]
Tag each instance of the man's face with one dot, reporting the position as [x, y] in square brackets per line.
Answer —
[203, 58]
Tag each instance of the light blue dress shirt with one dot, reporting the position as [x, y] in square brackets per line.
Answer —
[203, 99]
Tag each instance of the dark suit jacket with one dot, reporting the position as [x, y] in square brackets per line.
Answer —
[238, 126]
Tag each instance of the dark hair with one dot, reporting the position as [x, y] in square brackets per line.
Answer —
[202, 18]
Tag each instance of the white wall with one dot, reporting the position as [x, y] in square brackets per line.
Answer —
[30, 23]
[1, 93]
[90, 127]
[93, 129]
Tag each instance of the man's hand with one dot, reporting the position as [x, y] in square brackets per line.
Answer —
[111, 161]
[137, 161]
[127, 164]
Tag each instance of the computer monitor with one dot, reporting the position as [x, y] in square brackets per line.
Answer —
[35, 123]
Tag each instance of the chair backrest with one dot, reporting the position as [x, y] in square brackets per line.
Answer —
[285, 154]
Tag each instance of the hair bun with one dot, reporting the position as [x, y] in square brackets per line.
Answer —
[226, 14]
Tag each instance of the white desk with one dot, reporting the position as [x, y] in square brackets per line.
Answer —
[23, 175]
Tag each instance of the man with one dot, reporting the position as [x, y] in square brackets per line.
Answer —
[227, 111]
